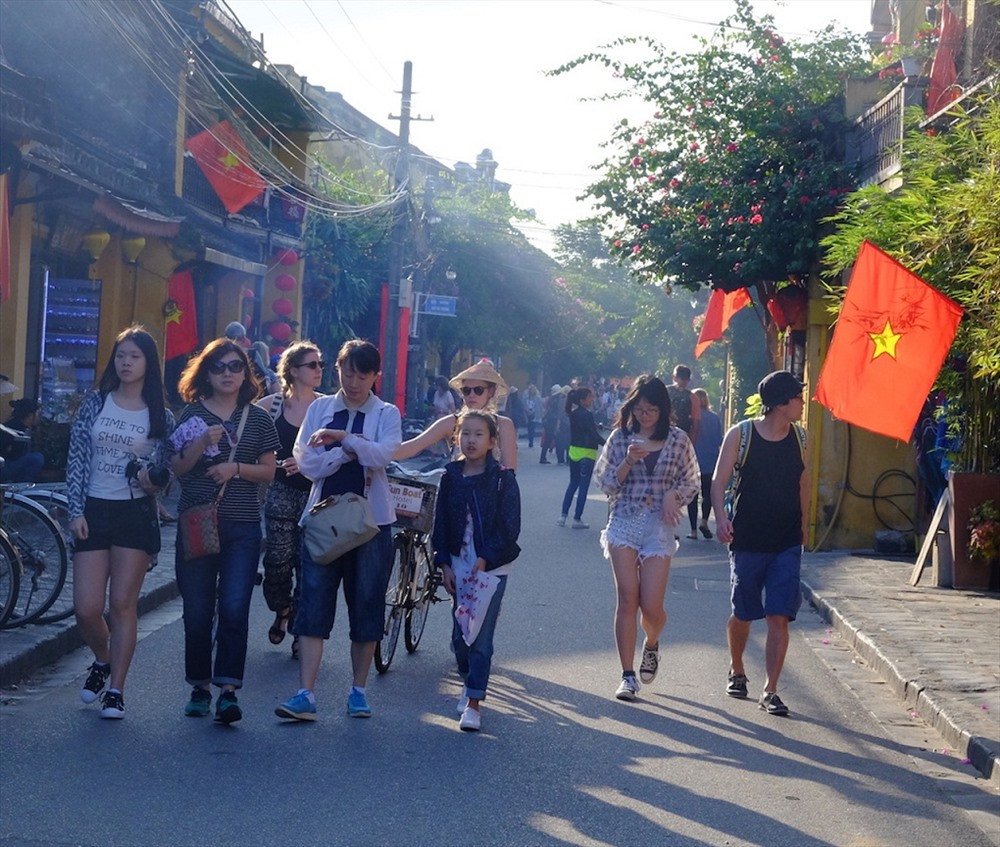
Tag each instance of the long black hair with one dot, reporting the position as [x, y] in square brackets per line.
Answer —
[651, 389]
[152, 384]
[576, 397]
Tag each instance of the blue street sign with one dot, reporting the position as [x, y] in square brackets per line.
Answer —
[440, 305]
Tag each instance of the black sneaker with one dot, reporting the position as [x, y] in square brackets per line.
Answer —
[95, 683]
[737, 685]
[113, 706]
[771, 703]
[200, 703]
[227, 710]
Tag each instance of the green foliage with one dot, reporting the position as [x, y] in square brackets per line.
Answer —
[726, 183]
[942, 224]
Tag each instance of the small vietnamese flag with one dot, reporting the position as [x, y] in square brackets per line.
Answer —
[181, 323]
[888, 346]
[721, 308]
[221, 155]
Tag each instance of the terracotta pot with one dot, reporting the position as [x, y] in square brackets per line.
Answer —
[968, 490]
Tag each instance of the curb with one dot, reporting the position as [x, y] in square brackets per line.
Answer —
[910, 690]
[52, 648]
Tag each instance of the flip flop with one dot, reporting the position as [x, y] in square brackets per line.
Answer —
[693, 536]
[705, 531]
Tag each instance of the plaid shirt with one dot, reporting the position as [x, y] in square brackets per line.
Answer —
[676, 469]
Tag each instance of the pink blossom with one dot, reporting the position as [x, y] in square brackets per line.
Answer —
[732, 147]
[674, 183]
[702, 160]
[693, 145]
[752, 182]
[773, 59]
[736, 267]
[618, 243]
[651, 179]
[645, 226]
[803, 200]
[756, 219]
[708, 103]
[635, 249]
[702, 220]
[641, 142]
[636, 161]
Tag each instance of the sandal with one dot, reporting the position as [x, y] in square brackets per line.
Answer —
[693, 536]
[276, 634]
[295, 647]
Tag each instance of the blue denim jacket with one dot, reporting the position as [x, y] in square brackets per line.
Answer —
[494, 500]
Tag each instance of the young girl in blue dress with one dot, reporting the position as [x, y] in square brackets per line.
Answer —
[476, 524]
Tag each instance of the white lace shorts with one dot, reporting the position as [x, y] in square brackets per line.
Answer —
[645, 533]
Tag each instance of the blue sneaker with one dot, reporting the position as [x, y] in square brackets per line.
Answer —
[298, 708]
[357, 705]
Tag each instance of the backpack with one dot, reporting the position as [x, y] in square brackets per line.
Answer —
[680, 404]
[741, 456]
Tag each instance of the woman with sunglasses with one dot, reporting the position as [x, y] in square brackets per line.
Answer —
[649, 471]
[228, 451]
[300, 371]
[116, 465]
[481, 388]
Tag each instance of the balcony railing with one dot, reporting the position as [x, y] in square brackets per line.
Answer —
[875, 145]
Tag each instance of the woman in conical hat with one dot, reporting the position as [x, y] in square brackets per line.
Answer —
[481, 388]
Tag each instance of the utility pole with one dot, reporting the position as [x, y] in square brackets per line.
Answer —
[399, 294]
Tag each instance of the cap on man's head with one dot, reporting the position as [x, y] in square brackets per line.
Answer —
[235, 330]
[778, 388]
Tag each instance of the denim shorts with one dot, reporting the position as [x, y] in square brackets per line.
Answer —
[773, 575]
[134, 524]
[364, 572]
[645, 533]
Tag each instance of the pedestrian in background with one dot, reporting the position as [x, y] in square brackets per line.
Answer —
[649, 471]
[550, 417]
[20, 462]
[583, 445]
[443, 400]
[562, 425]
[300, 372]
[222, 451]
[343, 446]
[686, 411]
[706, 448]
[532, 412]
[764, 529]
[116, 465]
[477, 521]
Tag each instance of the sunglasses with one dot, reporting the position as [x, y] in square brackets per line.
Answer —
[234, 367]
[314, 364]
[478, 390]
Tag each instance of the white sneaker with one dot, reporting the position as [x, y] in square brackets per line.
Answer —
[463, 702]
[650, 664]
[561, 521]
[580, 525]
[628, 688]
[470, 720]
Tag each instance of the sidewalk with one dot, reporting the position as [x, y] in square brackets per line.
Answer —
[937, 649]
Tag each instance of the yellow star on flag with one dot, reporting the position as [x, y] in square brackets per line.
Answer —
[229, 161]
[885, 341]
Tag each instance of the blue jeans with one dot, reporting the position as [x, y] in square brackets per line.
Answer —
[216, 591]
[474, 661]
[579, 478]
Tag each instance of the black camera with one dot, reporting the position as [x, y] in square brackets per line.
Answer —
[159, 475]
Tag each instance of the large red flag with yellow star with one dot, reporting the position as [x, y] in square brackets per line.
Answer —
[180, 320]
[222, 157]
[888, 345]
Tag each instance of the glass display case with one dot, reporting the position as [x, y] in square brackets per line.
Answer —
[69, 341]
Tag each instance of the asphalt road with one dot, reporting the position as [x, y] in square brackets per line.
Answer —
[559, 761]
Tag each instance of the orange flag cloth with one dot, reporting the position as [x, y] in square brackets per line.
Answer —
[889, 343]
[944, 74]
[221, 155]
[720, 311]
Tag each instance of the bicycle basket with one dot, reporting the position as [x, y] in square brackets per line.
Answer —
[414, 502]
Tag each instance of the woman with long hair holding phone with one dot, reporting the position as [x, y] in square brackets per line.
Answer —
[116, 466]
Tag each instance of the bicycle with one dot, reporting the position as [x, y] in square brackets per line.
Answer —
[57, 505]
[10, 575]
[414, 579]
[43, 552]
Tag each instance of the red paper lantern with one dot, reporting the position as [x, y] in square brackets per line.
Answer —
[278, 350]
[285, 282]
[286, 257]
[280, 331]
[283, 306]
[248, 294]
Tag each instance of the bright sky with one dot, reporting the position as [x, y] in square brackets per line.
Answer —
[478, 69]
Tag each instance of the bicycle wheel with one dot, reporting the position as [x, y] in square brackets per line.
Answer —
[423, 593]
[44, 557]
[57, 506]
[10, 578]
[395, 601]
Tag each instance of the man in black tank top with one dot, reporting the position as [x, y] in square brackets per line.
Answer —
[766, 529]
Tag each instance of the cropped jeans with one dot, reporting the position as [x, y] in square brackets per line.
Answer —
[579, 479]
[474, 660]
[216, 591]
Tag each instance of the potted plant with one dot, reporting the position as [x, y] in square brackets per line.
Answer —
[984, 540]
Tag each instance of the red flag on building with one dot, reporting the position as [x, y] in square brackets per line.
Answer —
[888, 345]
[721, 308]
[942, 90]
[222, 156]
[181, 318]
[4, 241]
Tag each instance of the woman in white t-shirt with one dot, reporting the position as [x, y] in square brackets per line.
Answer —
[117, 463]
